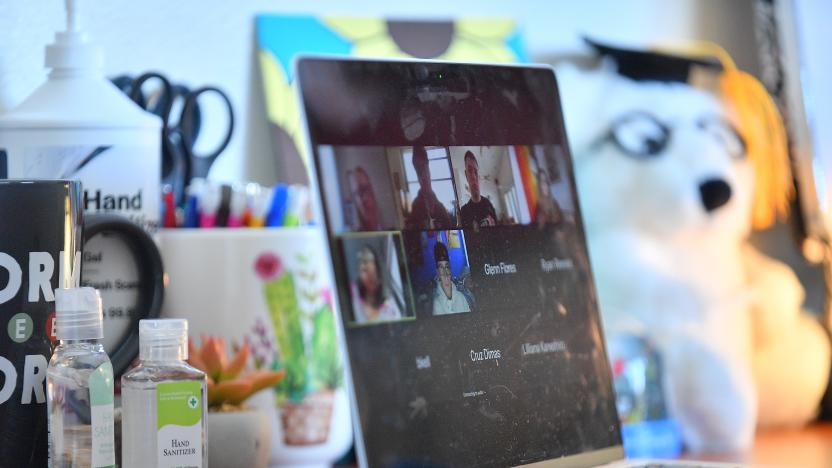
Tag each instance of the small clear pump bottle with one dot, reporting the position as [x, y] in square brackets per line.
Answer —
[163, 401]
[80, 385]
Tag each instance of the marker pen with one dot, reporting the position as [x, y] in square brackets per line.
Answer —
[224, 210]
[237, 207]
[208, 206]
[251, 190]
[295, 206]
[277, 210]
[194, 192]
[169, 219]
[261, 202]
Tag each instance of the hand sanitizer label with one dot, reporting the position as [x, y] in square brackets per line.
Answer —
[101, 408]
[121, 179]
[179, 408]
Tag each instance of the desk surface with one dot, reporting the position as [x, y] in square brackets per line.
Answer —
[810, 447]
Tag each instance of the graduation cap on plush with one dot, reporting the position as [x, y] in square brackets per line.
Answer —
[648, 65]
[755, 115]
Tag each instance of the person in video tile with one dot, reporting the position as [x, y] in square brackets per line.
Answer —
[447, 298]
[368, 218]
[547, 210]
[369, 299]
[427, 212]
[478, 211]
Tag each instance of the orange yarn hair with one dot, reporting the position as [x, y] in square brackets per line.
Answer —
[756, 117]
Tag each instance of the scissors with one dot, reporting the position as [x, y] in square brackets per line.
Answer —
[180, 162]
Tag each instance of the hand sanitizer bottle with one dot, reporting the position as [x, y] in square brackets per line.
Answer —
[78, 125]
[80, 385]
[163, 401]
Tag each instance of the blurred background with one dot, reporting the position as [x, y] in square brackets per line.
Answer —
[200, 41]
[783, 43]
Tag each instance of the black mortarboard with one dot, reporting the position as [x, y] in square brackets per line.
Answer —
[642, 65]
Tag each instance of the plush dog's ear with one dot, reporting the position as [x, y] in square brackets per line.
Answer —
[582, 94]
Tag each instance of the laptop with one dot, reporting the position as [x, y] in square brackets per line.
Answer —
[464, 292]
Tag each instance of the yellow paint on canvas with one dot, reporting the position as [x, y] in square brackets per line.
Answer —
[281, 104]
[474, 39]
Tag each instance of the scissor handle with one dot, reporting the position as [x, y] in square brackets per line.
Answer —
[162, 109]
[181, 92]
[201, 163]
[125, 84]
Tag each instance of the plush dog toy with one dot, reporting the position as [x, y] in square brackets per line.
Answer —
[671, 179]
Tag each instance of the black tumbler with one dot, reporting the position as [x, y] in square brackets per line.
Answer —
[40, 242]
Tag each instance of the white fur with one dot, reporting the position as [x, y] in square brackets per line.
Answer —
[727, 320]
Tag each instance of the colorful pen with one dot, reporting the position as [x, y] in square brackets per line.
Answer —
[169, 220]
[194, 192]
[277, 209]
[260, 207]
[224, 210]
[296, 204]
[237, 207]
[208, 206]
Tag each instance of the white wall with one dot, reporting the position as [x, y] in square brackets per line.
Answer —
[211, 41]
[816, 66]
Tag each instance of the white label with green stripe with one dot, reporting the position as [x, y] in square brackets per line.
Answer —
[179, 424]
[101, 412]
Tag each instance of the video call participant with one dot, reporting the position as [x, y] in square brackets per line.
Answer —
[447, 298]
[547, 210]
[478, 211]
[368, 296]
[427, 212]
[365, 202]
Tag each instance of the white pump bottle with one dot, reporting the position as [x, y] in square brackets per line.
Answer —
[78, 125]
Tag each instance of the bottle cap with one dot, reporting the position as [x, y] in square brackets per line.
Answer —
[163, 339]
[72, 48]
[78, 314]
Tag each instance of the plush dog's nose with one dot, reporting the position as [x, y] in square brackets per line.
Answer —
[715, 193]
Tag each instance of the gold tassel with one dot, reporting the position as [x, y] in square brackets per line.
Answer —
[760, 124]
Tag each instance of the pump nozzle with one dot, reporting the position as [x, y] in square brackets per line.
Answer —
[73, 16]
[72, 48]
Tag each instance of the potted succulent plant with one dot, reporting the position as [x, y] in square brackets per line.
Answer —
[237, 436]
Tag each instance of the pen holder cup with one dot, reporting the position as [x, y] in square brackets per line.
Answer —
[269, 288]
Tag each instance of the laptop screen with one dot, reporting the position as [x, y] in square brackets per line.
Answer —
[464, 286]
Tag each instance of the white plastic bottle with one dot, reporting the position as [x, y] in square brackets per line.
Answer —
[78, 125]
[163, 401]
[79, 382]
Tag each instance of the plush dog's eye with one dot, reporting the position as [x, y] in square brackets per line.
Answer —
[640, 134]
[725, 134]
